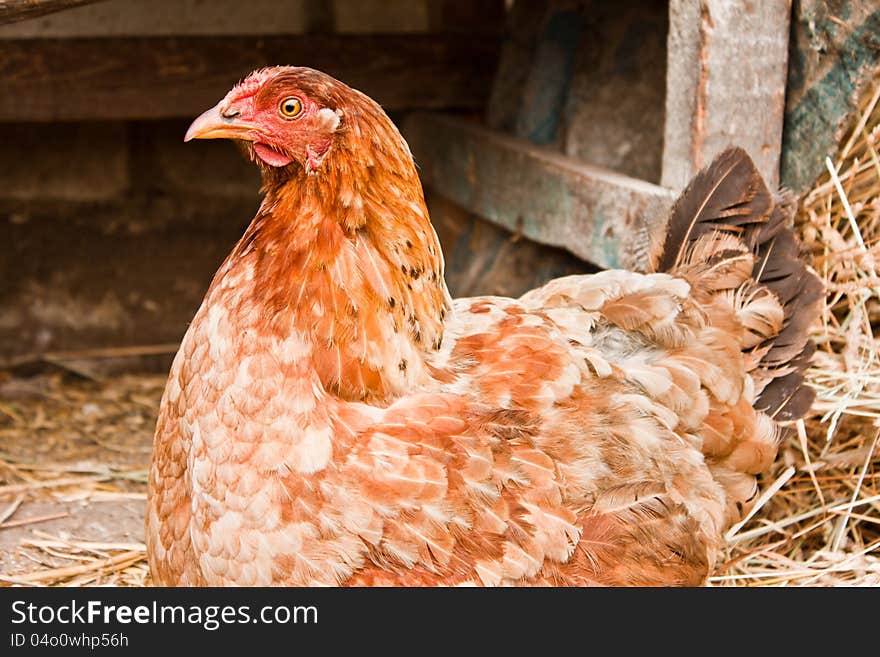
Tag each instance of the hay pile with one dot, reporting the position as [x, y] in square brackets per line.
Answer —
[822, 525]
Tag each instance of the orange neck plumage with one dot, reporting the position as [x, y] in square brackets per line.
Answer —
[347, 257]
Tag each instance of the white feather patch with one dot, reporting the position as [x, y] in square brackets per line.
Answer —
[313, 451]
[328, 119]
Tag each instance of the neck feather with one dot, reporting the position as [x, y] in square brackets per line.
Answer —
[346, 256]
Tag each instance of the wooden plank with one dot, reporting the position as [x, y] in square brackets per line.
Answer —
[835, 55]
[484, 258]
[12, 11]
[160, 77]
[600, 216]
[177, 18]
[725, 84]
[69, 280]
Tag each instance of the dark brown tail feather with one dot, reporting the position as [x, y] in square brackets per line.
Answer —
[730, 196]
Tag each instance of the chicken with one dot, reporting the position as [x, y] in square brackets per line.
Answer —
[333, 417]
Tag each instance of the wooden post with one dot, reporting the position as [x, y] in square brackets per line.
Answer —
[725, 85]
[599, 215]
[835, 56]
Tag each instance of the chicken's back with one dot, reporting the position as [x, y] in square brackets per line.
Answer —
[613, 412]
[656, 397]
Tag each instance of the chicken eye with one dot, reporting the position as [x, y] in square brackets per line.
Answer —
[291, 108]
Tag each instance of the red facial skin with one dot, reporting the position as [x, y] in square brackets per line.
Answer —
[251, 112]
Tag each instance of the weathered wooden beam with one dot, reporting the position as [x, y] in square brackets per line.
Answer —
[725, 84]
[69, 281]
[12, 11]
[159, 77]
[835, 55]
[484, 258]
[600, 216]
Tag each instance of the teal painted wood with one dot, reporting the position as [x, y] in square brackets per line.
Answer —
[485, 258]
[547, 86]
[598, 215]
[831, 65]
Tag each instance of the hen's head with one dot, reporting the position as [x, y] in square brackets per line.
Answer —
[284, 115]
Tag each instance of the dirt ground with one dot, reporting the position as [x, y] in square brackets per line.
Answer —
[74, 454]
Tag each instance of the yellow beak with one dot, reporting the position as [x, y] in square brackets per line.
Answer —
[213, 125]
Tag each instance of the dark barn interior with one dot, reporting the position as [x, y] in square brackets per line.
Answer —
[114, 226]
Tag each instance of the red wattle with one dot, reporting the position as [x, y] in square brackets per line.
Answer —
[270, 156]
